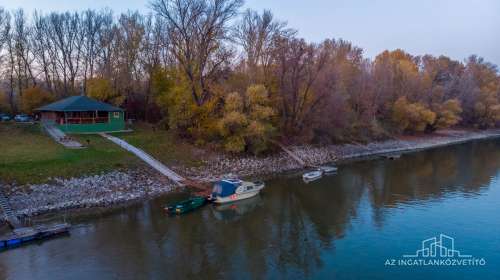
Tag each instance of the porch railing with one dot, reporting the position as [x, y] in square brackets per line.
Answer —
[85, 120]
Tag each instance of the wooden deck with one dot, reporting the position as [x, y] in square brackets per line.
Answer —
[25, 235]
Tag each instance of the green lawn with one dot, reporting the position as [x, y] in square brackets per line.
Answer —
[164, 146]
[27, 155]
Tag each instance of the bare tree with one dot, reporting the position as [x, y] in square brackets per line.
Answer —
[198, 30]
[256, 34]
[298, 64]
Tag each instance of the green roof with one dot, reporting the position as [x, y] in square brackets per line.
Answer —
[78, 103]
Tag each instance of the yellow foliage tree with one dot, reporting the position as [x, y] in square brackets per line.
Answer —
[412, 117]
[448, 113]
[487, 110]
[102, 89]
[35, 97]
[247, 121]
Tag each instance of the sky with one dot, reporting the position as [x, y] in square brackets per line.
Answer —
[456, 28]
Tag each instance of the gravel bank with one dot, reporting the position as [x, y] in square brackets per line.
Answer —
[316, 155]
[125, 186]
[93, 191]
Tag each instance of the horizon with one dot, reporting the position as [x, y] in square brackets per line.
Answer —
[458, 34]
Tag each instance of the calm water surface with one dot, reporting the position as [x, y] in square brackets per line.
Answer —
[344, 226]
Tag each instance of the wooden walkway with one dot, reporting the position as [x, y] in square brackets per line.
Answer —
[157, 165]
[8, 214]
[291, 154]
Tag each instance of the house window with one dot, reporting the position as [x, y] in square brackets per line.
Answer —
[116, 115]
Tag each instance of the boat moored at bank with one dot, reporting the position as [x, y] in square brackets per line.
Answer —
[229, 190]
[312, 175]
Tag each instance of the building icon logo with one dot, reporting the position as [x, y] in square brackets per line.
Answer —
[437, 251]
[443, 247]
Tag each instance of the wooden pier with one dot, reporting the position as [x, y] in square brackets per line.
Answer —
[24, 235]
[21, 234]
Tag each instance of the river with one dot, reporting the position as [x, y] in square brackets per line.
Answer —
[357, 224]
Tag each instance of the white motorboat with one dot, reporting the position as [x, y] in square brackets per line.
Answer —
[229, 190]
[313, 175]
[328, 169]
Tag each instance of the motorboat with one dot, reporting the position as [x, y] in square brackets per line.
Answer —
[312, 175]
[328, 169]
[229, 190]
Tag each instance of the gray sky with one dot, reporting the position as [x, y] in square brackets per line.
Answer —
[456, 28]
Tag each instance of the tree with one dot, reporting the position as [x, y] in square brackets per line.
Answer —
[412, 117]
[447, 114]
[197, 30]
[35, 97]
[246, 124]
[298, 65]
[101, 89]
[256, 33]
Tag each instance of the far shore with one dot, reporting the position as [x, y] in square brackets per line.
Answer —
[124, 186]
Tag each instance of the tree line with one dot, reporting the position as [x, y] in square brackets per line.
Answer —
[216, 74]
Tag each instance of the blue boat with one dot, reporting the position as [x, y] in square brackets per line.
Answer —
[230, 190]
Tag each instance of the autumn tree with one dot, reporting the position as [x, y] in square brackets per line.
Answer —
[298, 65]
[412, 117]
[35, 97]
[447, 114]
[101, 89]
[257, 33]
[247, 122]
[197, 32]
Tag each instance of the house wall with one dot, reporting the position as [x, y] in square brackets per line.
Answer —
[116, 123]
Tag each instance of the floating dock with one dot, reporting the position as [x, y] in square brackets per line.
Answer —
[23, 235]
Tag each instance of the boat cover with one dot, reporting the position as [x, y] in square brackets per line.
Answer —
[225, 188]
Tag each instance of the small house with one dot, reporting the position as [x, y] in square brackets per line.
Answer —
[80, 114]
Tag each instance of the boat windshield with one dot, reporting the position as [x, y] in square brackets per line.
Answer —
[224, 188]
[217, 189]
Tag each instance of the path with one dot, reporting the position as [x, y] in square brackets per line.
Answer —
[61, 138]
[7, 210]
[160, 167]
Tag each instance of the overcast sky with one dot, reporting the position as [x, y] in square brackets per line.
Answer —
[456, 28]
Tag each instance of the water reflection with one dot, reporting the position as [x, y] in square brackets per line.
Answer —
[284, 233]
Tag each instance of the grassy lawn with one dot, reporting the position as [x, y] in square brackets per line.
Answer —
[164, 146]
[27, 155]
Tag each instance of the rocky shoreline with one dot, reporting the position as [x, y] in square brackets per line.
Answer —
[217, 168]
[120, 187]
[103, 190]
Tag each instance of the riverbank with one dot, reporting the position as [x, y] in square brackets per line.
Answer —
[103, 190]
[217, 168]
[119, 187]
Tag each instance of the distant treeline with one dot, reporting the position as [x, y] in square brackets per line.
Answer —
[216, 74]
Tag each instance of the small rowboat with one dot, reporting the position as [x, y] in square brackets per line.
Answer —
[186, 205]
[311, 176]
[328, 169]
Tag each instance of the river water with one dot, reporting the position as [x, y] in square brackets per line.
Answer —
[357, 224]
